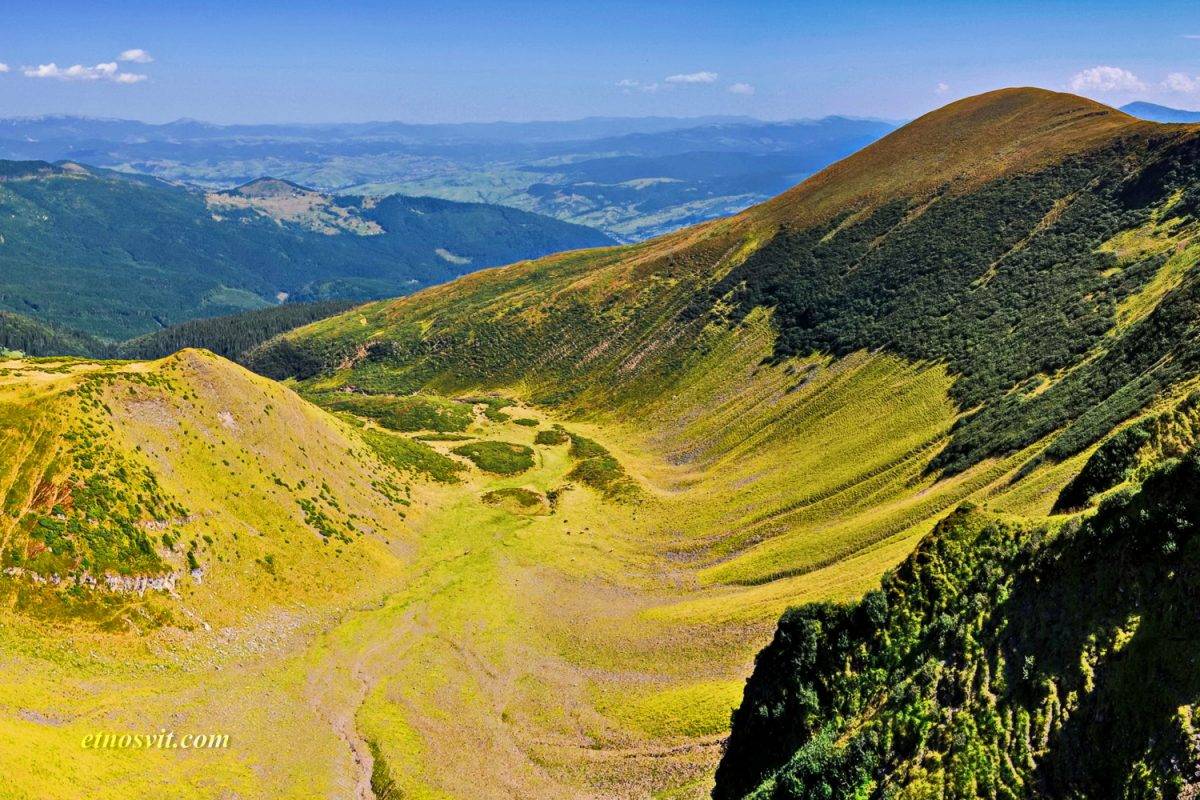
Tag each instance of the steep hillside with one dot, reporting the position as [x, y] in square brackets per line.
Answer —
[958, 313]
[115, 255]
[999, 660]
[188, 474]
[1044, 274]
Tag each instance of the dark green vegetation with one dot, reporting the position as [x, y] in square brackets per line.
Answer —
[229, 336]
[502, 458]
[407, 454]
[408, 413]
[551, 436]
[998, 661]
[598, 469]
[116, 256]
[1007, 284]
[21, 334]
[1132, 451]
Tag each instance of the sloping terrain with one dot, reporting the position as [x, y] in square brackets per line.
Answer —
[959, 312]
[573, 496]
[116, 256]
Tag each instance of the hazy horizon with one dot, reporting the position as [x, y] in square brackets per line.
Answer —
[247, 63]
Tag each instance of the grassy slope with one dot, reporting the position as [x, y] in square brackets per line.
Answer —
[596, 651]
[767, 482]
[216, 438]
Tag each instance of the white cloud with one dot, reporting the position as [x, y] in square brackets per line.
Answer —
[137, 55]
[1182, 83]
[1106, 79]
[693, 77]
[942, 88]
[107, 71]
[741, 88]
[3, 67]
[628, 85]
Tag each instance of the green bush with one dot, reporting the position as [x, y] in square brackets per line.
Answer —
[405, 454]
[551, 436]
[502, 458]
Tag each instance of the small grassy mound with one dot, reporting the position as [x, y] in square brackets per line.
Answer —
[502, 458]
[528, 422]
[443, 437]
[551, 436]
[417, 412]
[492, 406]
[405, 454]
[598, 469]
[518, 501]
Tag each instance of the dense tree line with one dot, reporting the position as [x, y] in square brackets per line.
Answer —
[995, 662]
[231, 336]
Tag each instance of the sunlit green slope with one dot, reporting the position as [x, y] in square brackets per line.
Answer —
[959, 312]
[585, 487]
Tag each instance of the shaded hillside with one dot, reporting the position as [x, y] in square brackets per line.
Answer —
[1052, 276]
[999, 660]
[116, 255]
[231, 336]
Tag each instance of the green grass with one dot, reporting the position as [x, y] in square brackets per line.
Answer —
[410, 413]
[501, 458]
[551, 436]
[518, 500]
[412, 456]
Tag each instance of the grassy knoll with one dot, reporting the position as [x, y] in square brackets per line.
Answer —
[501, 458]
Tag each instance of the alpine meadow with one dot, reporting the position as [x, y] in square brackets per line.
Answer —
[886, 487]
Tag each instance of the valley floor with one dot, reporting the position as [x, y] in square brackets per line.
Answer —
[595, 651]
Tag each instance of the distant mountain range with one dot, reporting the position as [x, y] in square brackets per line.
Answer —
[630, 177]
[116, 255]
[1156, 113]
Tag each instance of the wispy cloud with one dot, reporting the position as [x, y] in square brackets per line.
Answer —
[629, 85]
[105, 71]
[741, 88]
[703, 76]
[942, 88]
[3, 67]
[1191, 36]
[137, 55]
[1106, 79]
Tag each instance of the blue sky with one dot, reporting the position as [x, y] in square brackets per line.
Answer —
[458, 60]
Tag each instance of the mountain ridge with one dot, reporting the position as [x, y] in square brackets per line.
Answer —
[76, 239]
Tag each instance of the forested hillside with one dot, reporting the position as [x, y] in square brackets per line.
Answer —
[115, 256]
